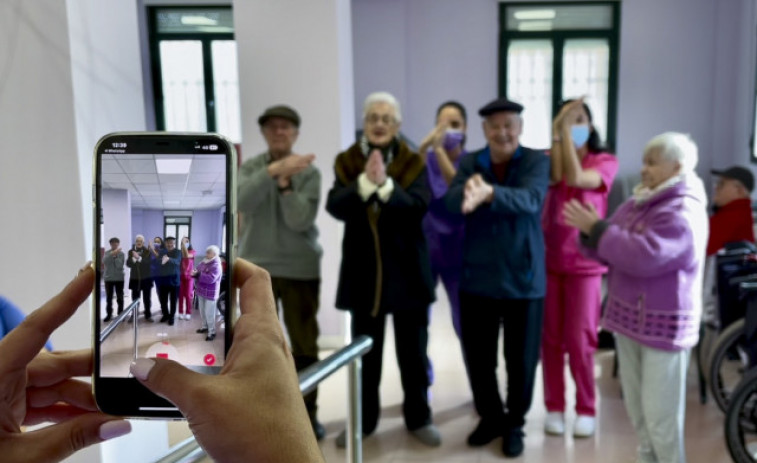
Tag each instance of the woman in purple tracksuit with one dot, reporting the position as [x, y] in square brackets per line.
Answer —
[208, 274]
[654, 246]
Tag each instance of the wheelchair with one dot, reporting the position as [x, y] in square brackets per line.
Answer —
[729, 354]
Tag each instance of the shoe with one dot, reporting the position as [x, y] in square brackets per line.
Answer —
[164, 319]
[318, 429]
[108, 318]
[170, 321]
[428, 435]
[149, 320]
[180, 316]
[210, 337]
[202, 330]
[512, 445]
[555, 423]
[485, 432]
[584, 426]
[187, 316]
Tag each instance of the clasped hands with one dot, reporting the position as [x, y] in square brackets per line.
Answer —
[477, 191]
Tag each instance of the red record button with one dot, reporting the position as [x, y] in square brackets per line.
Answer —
[210, 359]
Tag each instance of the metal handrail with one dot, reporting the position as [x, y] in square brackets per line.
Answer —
[189, 450]
[120, 318]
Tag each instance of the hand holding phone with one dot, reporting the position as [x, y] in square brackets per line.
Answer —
[175, 181]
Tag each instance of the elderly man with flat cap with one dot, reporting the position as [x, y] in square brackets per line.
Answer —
[500, 190]
[732, 220]
[278, 197]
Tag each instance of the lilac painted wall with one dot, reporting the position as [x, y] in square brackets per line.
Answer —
[685, 65]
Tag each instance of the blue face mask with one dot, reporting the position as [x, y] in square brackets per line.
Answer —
[579, 134]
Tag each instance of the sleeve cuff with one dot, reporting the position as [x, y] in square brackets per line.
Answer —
[385, 190]
[591, 240]
[365, 188]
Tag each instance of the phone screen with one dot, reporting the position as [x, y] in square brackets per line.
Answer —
[164, 223]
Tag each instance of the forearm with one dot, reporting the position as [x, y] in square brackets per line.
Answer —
[298, 210]
[445, 165]
[253, 188]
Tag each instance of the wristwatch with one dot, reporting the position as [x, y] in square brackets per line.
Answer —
[284, 189]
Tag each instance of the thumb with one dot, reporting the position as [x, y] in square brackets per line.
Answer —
[166, 378]
[56, 442]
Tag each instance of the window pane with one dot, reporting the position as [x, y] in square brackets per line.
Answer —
[194, 20]
[559, 17]
[529, 82]
[183, 85]
[586, 72]
[226, 83]
[181, 233]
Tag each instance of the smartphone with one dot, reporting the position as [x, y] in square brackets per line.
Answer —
[152, 190]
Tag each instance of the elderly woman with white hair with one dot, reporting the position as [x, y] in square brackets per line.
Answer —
[654, 246]
[208, 274]
[381, 194]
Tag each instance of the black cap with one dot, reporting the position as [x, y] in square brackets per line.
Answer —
[282, 111]
[741, 174]
[500, 105]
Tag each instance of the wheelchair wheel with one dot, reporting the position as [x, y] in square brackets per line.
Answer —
[221, 303]
[741, 421]
[727, 364]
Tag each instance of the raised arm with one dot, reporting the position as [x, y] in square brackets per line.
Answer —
[300, 205]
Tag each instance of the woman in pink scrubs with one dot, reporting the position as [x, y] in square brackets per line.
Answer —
[580, 170]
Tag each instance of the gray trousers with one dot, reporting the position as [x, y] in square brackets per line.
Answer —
[208, 313]
[654, 392]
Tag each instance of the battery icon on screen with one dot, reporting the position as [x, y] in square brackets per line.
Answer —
[213, 147]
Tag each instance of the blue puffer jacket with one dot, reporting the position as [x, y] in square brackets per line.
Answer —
[504, 243]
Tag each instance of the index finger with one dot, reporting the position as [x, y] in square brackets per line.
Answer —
[28, 338]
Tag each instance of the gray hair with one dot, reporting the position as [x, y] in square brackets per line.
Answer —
[138, 237]
[382, 97]
[215, 249]
[677, 147]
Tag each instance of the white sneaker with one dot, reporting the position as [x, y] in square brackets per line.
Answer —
[187, 316]
[584, 426]
[555, 423]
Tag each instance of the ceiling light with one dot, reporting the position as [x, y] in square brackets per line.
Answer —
[525, 15]
[173, 166]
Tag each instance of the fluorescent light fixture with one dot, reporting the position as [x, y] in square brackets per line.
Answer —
[529, 15]
[198, 21]
[171, 202]
[173, 166]
[535, 26]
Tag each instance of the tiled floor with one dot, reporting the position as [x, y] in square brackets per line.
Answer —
[456, 418]
[179, 342]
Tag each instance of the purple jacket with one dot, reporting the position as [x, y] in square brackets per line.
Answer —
[655, 253]
[209, 279]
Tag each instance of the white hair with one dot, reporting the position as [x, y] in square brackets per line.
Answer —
[382, 97]
[214, 248]
[676, 147]
[138, 237]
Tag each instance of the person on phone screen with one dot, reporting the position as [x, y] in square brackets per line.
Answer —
[186, 286]
[273, 428]
[113, 275]
[155, 246]
[168, 280]
[140, 276]
[208, 274]
[279, 192]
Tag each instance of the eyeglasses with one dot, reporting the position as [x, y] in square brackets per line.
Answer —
[374, 119]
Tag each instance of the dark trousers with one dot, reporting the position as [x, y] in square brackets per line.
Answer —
[109, 287]
[411, 341]
[481, 319]
[145, 287]
[164, 293]
[299, 305]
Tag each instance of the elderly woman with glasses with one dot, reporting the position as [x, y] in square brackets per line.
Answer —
[381, 194]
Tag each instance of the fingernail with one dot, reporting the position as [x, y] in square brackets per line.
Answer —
[113, 429]
[141, 368]
[86, 266]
